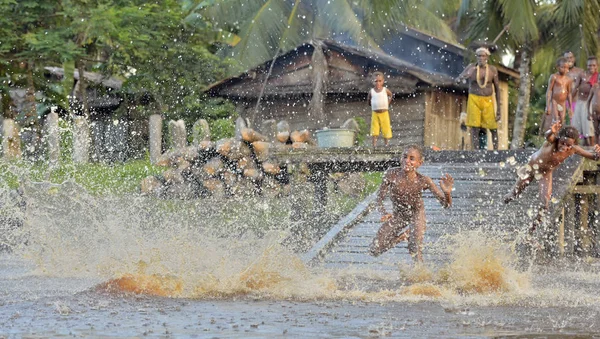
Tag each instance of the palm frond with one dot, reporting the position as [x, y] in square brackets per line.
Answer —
[339, 17]
[521, 16]
[261, 34]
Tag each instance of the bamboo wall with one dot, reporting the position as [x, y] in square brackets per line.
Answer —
[442, 125]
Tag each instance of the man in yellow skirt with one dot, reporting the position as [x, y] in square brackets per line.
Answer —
[482, 112]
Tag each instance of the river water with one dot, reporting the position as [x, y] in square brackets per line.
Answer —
[83, 266]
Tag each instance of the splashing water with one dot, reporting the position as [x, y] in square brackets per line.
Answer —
[141, 246]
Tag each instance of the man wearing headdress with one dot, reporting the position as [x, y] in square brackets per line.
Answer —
[483, 85]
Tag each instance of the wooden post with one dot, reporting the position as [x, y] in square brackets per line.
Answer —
[577, 215]
[569, 223]
[584, 230]
[561, 233]
[318, 176]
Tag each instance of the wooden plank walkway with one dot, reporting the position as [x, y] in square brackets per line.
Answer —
[477, 204]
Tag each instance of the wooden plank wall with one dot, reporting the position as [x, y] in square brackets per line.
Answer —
[442, 125]
[406, 114]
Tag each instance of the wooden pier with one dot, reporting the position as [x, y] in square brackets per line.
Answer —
[482, 178]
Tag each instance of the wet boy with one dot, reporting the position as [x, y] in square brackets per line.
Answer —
[560, 144]
[379, 99]
[405, 187]
[558, 95]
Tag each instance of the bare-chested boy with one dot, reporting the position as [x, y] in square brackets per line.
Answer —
[558, 95]
[405, 187]
[560, 144]
[582, 120]
[593, 105]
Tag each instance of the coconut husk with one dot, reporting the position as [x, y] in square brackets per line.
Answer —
[261, 149]
[150, 184]
[224, 146]
[206, 145]
[271, 168]
[212, 185]
[283, 137]
[300, 136]
[173, 176]
[213, 166]
[252, 173]
[250, 135]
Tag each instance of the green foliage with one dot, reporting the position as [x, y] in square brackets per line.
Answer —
[265, 27]
[363, 131]
[96, 178]
[65, 131]
[222, 128]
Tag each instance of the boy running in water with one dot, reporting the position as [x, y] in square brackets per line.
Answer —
[560, 144]
[405, 187]
[379, 99]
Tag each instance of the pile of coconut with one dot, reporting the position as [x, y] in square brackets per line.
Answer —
[228, 166]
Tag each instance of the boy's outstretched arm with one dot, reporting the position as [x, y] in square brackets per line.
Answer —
[553, 132]
[444, 196]
[383, 190]
[595, 155]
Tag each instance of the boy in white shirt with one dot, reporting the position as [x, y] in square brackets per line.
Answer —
[379, 99]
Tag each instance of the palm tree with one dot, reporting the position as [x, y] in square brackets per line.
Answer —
[536, 29]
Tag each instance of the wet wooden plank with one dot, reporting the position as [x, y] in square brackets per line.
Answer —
[477, 204]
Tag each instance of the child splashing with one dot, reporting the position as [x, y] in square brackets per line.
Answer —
[407, 222]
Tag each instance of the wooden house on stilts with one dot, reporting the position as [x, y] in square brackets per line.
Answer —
[322, 83]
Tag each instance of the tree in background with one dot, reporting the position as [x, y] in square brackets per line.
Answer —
[148, 45]
[539, 31]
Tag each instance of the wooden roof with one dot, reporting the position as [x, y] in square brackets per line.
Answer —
[347, 65]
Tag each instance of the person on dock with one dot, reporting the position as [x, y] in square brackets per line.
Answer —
[379, 99]
[558, 96]
[574, 72]
[560, 144]
[405, 187]
[593, 106]
[484, 88]
[582, 119]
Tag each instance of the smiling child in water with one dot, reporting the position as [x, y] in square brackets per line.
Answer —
[405, 187]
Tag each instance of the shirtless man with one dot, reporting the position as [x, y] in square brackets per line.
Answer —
[593, 105]
[560, 144]
[582, 120]
[405, 187]
[558, 95]
[574, 73]
[483, 82]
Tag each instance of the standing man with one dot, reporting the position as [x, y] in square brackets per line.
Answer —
[581, 119]
[483, 82]
[574, 73]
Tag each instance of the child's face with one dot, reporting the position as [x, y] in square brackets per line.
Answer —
[592, 66]
[565, 144]
[378, 82]
[411, 160]
[563, 68]
[570, 59]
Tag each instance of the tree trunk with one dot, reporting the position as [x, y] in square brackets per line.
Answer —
[30, 103]
[319, 76]
[262, 89]
[520, 125]
[82, 89]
